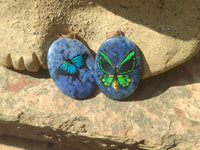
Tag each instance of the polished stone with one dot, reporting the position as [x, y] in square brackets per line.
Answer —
[71, 66]
[117, 67]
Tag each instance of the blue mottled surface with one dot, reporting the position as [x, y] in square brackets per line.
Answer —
[61, 50]
[117, 48]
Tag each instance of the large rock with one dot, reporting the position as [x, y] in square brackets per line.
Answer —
[163, 113]
[167, 33]
[17, 143]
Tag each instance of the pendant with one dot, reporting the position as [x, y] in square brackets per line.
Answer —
[117, 67]
[71, 66]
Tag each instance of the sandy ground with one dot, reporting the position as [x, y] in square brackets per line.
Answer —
[16, 143]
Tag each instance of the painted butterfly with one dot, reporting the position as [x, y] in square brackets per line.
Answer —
[117, 75]
[71, 66]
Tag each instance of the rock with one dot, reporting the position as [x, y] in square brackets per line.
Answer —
[17, 143]
[167, 33]
[117, 68]
[163, 113]
[71, 67]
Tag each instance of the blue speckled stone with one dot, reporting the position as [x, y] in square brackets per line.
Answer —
[116, 49]
[79, 83]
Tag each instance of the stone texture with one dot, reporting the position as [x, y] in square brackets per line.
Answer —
[163, 113]
[117, 56]
[165, 32]
[71, 66]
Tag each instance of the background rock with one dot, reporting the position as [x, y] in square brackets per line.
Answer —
[163, 113]
[17, 143]
[167, 32]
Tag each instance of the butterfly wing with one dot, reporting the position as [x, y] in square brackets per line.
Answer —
[68, 68]
[107, 79]
[107, 67]
[124, 80]
[128, 64]
[80, 60]
[105, 64]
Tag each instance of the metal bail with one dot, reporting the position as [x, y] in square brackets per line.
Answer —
[71, 35]
[114, 33]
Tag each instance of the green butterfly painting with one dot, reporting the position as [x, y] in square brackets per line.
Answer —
[117, 76]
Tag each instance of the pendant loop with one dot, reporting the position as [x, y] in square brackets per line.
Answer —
[114, 33]
[71, 35]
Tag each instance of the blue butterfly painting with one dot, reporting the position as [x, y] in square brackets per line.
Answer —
[71, 66]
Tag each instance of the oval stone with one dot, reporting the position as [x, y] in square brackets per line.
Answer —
[117, 67]
[71, 66]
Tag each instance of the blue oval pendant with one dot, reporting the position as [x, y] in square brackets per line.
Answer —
[71, 65]
[117, 67]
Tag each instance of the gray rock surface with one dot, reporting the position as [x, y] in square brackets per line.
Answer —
[167, 32]
[163, 113]
[17, 143]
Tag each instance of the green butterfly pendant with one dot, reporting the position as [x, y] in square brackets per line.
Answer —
[117, 76]
[117, 67]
